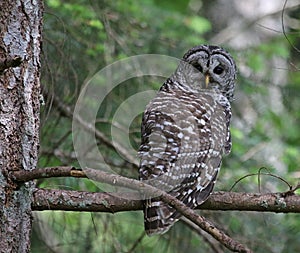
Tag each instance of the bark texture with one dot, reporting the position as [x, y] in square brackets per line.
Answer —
[64, 200]
[20, 44]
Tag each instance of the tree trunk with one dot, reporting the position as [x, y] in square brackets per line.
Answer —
[20, 44]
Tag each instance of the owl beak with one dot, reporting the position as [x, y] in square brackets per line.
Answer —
[207, 79]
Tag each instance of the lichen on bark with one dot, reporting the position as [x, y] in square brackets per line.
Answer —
[20, 38]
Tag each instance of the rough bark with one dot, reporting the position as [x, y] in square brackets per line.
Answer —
[285, 202]
[64, 200]
[20, 39]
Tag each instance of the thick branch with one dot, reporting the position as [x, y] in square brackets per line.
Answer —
[144, 188]
[65, 200]
[270, 202]
[44, 199]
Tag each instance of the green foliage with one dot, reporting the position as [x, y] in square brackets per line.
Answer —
[80, 38]
[198, 24]
[256, 61]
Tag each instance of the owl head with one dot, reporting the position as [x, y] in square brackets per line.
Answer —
[209, 67]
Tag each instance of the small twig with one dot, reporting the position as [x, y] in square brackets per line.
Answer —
[283, 28]
[209, 240]
[258, 174]
[137, 242]
[89, 127]
[235, 29]
[60, 171]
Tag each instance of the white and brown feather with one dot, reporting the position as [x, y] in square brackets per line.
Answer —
[185, 132]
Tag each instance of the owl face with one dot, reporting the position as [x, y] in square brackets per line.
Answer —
[215, 68]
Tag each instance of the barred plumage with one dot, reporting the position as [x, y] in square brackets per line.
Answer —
[185, 132]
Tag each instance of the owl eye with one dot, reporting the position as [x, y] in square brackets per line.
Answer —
[198, 66]
[218, 70]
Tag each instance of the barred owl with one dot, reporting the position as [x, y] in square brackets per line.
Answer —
[185, 132]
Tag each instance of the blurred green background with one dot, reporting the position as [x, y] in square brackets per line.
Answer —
[80, 37]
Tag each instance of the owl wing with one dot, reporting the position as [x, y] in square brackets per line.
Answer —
[161, 141]
[215, 140]
[159, 151]
[183, 138]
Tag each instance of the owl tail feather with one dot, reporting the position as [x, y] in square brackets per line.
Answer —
[159, 217]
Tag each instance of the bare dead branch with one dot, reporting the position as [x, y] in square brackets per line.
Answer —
[68, 112]
[47, 172]
[66, 200]
[208, 239]
[46, 199]
[117, 180]
[225, 201]
[235, 29]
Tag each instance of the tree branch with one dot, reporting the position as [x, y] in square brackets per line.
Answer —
[49, 199]
[208, 239]
[66, 200]
[140, 187]
[225, 201]
[117, 202]
[45, 199]
[68, 112]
